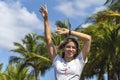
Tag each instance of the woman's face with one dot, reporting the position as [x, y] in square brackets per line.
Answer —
[70, 50]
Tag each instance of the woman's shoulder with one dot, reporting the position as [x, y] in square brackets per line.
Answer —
[80, 57]
[57, 57]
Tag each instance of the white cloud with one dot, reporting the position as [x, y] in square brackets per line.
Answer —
[74, 8]
[15, 22]
[86, 25]
[99, 9]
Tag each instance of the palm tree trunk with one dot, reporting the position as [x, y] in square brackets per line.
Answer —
[36, 75]
[108, 71]
[82, 78]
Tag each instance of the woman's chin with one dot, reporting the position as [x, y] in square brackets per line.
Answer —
[69, 56]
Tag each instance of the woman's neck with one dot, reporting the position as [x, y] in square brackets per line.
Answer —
[68, 59]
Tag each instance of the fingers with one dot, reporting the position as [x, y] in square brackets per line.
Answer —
[58, 32]
[43, 9]
[62, 30]
[58, 28]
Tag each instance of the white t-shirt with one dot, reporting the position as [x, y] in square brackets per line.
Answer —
[68, 70]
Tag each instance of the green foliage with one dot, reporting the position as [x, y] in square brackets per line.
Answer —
[104, 53]
[33, 53]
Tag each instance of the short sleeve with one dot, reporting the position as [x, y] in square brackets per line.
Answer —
[55, 59]
[80, 56]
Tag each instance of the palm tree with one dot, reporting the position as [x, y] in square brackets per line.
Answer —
[12, 73]
[33, 54]
[113, 5]
[105, 50]
[2, 76]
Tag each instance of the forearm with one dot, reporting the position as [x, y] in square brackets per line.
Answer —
[81, 36]
[47, 30]
[84, 37]
[49, 42]
[87, 42]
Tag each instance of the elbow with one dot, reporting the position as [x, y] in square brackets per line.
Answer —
[48, 39]
[89, 38]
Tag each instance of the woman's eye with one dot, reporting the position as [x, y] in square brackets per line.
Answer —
[74, 47]
[70, 47]
[67, 46]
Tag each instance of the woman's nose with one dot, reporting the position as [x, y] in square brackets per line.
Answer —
[71, 48]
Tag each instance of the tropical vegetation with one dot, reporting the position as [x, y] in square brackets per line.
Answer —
[33, 60]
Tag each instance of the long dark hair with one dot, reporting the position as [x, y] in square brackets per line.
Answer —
[66, 41]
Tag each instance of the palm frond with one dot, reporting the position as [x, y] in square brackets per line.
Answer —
[15, 59]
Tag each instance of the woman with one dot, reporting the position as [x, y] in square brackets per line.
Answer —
[71, 64]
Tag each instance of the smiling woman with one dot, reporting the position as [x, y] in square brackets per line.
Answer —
[71, 64]
[78, 15]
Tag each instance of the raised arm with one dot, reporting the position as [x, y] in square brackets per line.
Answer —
[50, 45]
[84, 37]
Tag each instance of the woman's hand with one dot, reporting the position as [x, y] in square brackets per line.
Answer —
[62, 30]
[44, 12]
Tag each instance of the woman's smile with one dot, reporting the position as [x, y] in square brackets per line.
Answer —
[70, 51]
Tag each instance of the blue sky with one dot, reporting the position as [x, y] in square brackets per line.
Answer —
[20, 17]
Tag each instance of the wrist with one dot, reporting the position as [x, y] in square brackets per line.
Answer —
[46, 18]
[69, 32]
